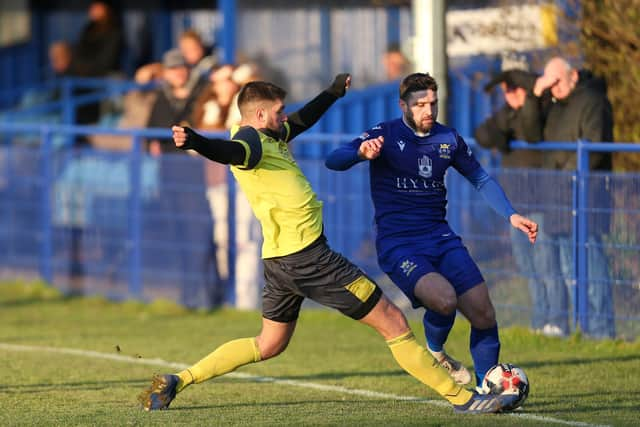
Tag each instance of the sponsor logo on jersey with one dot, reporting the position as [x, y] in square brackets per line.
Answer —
[425, 167]
[417, 184]
[401, 144]
[445, 151]
[376, 127]
[407, 267]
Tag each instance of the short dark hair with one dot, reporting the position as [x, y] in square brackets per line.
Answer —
[260, 91]
[416, 82]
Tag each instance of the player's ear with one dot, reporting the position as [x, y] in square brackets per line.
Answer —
[261, 114]
[403, 105]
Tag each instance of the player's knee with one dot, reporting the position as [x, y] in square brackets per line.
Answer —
[270, 348]
[387, 319]
[436, 293]
[447, 305]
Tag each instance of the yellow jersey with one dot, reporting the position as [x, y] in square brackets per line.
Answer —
[279, 194]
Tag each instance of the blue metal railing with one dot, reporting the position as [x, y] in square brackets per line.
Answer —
[310, 149]
[67, 99]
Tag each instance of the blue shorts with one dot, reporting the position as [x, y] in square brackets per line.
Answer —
[453, 262]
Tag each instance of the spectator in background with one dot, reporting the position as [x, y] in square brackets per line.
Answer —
[518, 119]
[98, 50]
[174, 101]
[180, 180]
[217, 110]
[575, 106]
[197, 56]
[59, 66]
[198, 59]
[60, 57]
[396, 64]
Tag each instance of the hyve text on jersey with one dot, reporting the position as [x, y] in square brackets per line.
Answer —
[406, 183]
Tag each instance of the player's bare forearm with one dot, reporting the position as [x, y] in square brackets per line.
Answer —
[527, 226]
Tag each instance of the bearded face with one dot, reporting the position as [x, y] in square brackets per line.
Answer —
[420, 110]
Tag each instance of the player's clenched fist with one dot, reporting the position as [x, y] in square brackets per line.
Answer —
[524, 224]
[179, 135]
[370, 149]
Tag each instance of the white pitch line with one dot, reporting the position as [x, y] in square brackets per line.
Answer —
[257, 378]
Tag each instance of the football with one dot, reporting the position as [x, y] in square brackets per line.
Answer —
[505, 378]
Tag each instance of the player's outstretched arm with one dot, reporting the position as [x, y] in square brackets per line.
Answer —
[526, 225]
[342, 158]
[216, 149]
[308, 115]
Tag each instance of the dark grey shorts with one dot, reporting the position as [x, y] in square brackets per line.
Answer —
[318, 273]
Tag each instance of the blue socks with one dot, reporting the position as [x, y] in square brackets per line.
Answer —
[485, 349]
[436, 328]
[483, 343]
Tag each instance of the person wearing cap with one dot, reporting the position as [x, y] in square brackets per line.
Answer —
[174, 104]
[174, 101]
[518, 119]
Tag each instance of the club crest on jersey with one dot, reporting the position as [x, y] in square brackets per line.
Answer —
[425, 167]
[284, 150]
[401, 144]
[407, 267]
[445, 151]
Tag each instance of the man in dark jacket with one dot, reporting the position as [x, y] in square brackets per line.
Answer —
[519, 119]
[575, 106]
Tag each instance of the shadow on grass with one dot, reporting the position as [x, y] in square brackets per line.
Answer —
[85, 385]
[342, 375]
[579, 361]
[579, 403]
[26, 301]
[366, 402]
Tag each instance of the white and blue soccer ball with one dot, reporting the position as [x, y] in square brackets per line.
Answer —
[505, 378]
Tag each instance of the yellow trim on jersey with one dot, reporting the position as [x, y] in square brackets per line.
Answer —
[247, 149]
[362, 288]
[280, 195]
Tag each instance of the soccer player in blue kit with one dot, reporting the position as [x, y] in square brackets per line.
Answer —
[409, 157]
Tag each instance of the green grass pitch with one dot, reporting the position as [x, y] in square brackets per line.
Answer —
[83, 361]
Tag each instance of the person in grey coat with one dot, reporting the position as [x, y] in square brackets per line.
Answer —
[519, 119]
[574, 106]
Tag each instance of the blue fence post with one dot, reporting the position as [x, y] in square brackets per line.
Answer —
[135, 201]
[581, 250]
[68, 104]
[46, 243]
[228, 10]
[574, 243]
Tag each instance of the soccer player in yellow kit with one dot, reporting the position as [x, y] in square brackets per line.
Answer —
[298, 263]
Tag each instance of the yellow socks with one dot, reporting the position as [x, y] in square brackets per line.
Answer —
[421, 365]
[226, 358]
[412, 357]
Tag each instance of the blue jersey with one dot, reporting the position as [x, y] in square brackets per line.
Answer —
[407, 184]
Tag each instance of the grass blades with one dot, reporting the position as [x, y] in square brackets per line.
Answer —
[573, 381]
